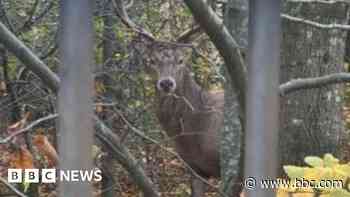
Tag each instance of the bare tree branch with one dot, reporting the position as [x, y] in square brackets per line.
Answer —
[120, 9]
[11, 90]
[112, 140]
[12, 188]
[45, 11]
[51, 47]
[125, 158]
[226, 45]
[5, 18]
[24, 54]
[35, 19]
[309, 83]
[186, 36]
[29, 20]
[315, 24]
[329, 2]
[28, 127]
[211, 23]
[39, 68]
[129, 4]
[145, 137]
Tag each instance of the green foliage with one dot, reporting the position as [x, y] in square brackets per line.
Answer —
[314, 161]
[326, 177]
[128, 90]
[183, 190]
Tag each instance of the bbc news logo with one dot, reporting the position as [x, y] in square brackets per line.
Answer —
[52, 175]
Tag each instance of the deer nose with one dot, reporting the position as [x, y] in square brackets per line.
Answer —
[166, 85]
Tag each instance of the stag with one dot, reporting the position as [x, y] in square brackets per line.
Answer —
[190, 115]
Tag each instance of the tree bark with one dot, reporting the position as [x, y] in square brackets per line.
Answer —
[108, 180]
[226, 45]
[108, 35]
[120, 153]
[126, 159]
[5, 100]
[311, 122]
[25, 55]
[231, 149]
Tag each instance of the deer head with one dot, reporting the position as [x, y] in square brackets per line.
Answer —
[166, 64]
[165, 60]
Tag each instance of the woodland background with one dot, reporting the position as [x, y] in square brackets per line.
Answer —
[313, 122]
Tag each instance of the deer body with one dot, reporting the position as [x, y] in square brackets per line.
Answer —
[192, 117]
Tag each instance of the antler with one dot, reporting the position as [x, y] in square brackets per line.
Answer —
[120, 10]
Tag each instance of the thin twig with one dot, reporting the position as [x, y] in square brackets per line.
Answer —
[105, 104]
[120, 10]
[27, 128]
[315, 24]
[30, 14]
[129, 4]
[185, 37]
[329, 2]
[6, 19]
[187, 102]
[32, 20]
[314, 82]
[51, 49]
[144, 136]
[45, 11]
[122, 154]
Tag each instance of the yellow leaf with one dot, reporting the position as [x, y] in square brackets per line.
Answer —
[99, 87]
[294, 171]
[329, 160]
[22, 159]
[46, 149]
[314, 161]
[317, 173]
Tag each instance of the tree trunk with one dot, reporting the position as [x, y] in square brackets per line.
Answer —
[108, 181]
[311, 122]
[5, 100]
[236, 21]
[108, 35]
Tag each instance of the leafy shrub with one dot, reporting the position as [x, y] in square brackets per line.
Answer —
[324, 177]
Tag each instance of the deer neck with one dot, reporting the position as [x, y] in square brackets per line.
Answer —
[190, 90]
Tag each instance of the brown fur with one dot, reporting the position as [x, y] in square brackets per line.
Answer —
[193, 118]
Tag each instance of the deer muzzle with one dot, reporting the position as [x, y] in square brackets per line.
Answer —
[166, 84]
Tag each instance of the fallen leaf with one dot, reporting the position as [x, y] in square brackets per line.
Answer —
[22, 159]
[46, 149]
